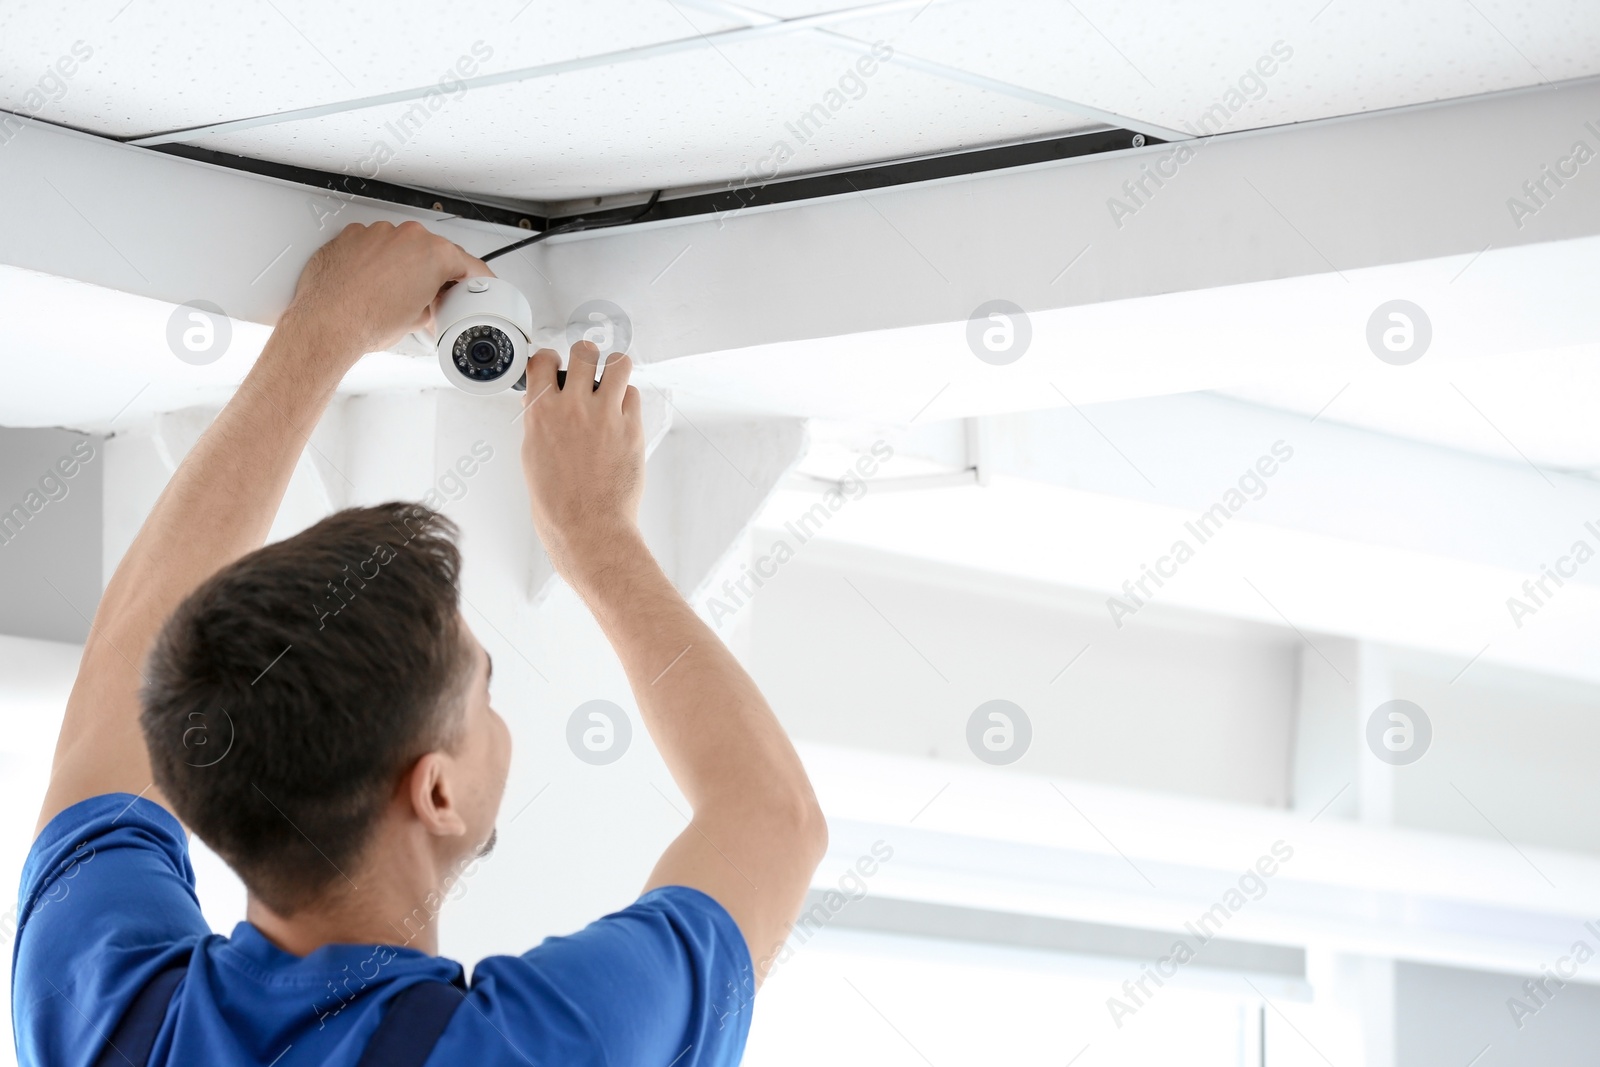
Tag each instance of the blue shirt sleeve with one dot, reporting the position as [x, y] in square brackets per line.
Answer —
[107, 900]
[666, 980]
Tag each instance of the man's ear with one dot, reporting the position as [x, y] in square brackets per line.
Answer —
[433, 795]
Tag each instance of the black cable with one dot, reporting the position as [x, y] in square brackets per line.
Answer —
[574, 226]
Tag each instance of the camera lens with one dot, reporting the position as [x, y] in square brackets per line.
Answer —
[482, 353]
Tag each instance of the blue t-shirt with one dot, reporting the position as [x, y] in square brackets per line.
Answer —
[108, 901]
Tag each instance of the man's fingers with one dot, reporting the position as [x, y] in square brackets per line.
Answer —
[631, 405]
[425, 324]
[581, 368]
[455, 263]
[468, 265]
[614, 382]
[450, 262]
[542, 367]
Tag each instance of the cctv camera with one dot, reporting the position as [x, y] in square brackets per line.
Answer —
[485, 332]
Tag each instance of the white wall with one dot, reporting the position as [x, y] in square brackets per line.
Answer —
[1446, 1017]
[50, 561]
[1520, 747]
[850, 655]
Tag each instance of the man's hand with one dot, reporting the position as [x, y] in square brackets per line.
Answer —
[582, 451]
[372, 285]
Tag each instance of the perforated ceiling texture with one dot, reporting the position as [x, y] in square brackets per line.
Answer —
[701, 92]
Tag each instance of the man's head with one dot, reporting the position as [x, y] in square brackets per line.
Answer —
[321, 698]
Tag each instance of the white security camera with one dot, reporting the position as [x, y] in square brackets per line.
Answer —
[485, 334]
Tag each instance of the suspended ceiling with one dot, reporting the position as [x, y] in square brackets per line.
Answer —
[618, 96]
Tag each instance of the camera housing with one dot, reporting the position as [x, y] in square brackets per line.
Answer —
[485, 335]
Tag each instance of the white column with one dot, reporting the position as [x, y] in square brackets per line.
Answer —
[1336, 776]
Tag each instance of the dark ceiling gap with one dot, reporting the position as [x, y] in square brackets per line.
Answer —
[736, 196]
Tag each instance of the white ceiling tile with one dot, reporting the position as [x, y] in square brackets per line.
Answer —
[1169, 61]
[794, 9]
[694, 118]
[153, 69]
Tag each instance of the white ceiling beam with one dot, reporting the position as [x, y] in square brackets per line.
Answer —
[1022, 843]
[1185, 452]
[1091, 499]
[1265, 243]
[1074, 542]
[92, 210]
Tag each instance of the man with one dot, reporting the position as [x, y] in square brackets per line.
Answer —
[348, 765]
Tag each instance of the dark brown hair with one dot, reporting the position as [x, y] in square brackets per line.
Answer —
[286, 695]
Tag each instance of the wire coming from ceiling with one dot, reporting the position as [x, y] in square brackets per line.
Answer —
[577, 225]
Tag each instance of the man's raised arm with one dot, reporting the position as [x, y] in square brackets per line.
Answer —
[756, 834]
[360, 293]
